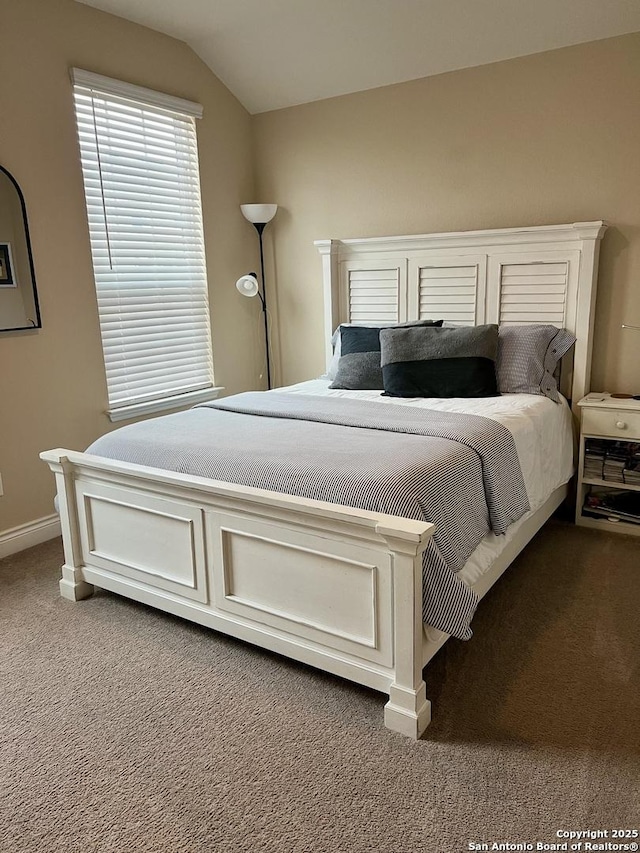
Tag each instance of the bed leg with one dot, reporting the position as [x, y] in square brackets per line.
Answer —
[407, 711]
[71, 585]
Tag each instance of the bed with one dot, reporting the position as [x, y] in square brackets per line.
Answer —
[337, 586]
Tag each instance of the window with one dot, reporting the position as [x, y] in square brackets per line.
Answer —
[142, 187]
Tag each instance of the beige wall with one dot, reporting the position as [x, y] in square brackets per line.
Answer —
[550, 138]
[52, 385]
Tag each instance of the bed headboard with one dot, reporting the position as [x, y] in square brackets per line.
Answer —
[542, 274]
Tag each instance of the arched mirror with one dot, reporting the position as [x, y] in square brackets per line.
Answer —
[18, 295]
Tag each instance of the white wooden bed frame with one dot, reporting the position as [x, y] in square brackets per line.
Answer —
[334, 587]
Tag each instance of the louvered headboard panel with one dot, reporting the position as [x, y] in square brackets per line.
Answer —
[448, 292]
[543, 274]
[534, 292]
[373, 295]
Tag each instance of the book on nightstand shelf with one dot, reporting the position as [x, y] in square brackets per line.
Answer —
[615, 461]
[613, 504]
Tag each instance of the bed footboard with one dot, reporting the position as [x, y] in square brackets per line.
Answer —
[331, 586]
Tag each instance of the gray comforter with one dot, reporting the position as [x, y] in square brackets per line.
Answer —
[459, 471]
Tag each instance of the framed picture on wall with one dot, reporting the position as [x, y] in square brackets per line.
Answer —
[7, 276]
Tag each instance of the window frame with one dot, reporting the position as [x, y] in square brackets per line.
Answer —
[87, 84]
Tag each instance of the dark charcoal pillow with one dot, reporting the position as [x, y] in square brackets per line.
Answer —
[359, 365]
[528, 357]
[449, 362]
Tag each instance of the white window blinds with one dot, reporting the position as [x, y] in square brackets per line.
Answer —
[142, 186]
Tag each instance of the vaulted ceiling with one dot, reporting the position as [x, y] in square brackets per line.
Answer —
[277, 53]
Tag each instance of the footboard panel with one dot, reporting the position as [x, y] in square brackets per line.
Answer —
[332, 586]
[331, 592]
[157, 541]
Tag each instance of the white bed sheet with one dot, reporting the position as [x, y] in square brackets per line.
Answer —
[542, 431]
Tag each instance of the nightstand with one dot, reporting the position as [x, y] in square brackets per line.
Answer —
[608, 493]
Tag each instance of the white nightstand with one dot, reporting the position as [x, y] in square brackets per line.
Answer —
[608, 467]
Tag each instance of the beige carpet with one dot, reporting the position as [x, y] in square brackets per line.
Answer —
[124, 729]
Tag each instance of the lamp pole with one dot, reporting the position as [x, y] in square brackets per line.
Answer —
[259, 226]
[259, 215]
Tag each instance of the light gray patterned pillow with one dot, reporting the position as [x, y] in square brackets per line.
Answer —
[528, 357]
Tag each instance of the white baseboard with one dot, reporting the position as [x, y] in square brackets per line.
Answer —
[26, 535]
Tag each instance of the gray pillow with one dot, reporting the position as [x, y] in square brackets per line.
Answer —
[358, 367]
[528, 358]
[336, 340]
[440, 362]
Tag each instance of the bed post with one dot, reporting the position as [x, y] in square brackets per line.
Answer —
[408, 710]
[72, 586]
[591, 234]
[330, 281]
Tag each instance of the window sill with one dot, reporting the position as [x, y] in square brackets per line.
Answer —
[125, 413]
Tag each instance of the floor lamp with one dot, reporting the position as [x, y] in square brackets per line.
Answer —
[258, 215]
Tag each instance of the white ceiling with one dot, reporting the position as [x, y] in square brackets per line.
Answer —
[277, 53]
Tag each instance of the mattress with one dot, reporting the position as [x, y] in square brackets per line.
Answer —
[464, 473]
[460, 471]
[542, 431]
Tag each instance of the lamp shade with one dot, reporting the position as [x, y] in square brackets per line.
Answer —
[247, 285]
[259, 213]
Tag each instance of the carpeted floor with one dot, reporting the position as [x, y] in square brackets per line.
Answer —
[125, 729]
